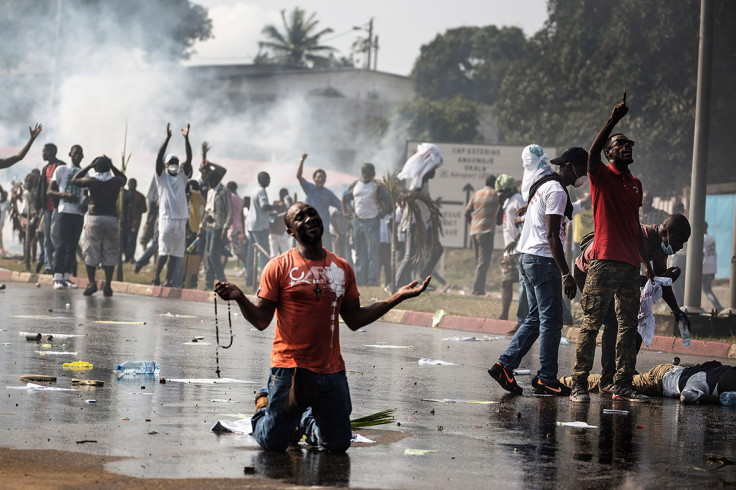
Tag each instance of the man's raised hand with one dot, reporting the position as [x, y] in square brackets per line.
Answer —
[168, 130]
[36, 130]
[205, 148]
[620, 109]
[185, 131]
[304, 157]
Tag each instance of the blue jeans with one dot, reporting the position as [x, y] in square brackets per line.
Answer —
[260, 237]
[213, 267]
[49, 218]
[150, 251]
[523, 310]
[543, 283]
[326, 423]
[70, 229]
[367, 238]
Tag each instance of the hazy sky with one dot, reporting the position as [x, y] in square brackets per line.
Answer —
[402, 26]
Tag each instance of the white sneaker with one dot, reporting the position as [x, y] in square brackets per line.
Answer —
[69, 284]
[59, 285]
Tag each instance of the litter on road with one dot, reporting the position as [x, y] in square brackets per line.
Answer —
[38, 377]
[458, 400]
[209, 381]
[55, 353]
[419, 452]
[609, 411]
[577, 425]
[35, 387]
[115, 322]
[386, 346]
[435, 362]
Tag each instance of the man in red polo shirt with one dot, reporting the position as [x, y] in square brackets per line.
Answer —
[615, 259]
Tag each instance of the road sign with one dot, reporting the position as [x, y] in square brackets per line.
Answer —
[464, 170]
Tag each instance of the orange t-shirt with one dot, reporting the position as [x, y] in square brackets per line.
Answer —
[307, 328]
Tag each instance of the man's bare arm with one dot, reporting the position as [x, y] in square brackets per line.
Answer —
[594, 156]
[300, 170]
[162, 151]
[357, 316]
[80, 179]
[187, 167]
[259, 314]
[10, 161]
[558, 253]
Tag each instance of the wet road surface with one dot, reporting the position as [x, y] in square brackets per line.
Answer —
[163, 430]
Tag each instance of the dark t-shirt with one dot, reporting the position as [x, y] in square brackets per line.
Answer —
[103, 196]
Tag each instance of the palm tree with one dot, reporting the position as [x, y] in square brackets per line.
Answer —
[298, 44]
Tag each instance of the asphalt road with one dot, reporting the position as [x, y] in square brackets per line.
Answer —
[163, 430]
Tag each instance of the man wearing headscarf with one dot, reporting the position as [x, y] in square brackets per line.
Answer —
[510, 202]
[101, 230]
[420, 216]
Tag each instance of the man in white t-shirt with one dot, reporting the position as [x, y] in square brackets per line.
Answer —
[369, 201]
[173, 212]
[544, 272]
[511, 201]
[71, 217]
[709, 268]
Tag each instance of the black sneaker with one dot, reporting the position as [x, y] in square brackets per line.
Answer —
[505, 379]
[543, 388]
[629, 394]
[579, 394]
[91, 289]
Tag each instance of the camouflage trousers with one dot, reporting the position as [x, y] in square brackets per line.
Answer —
[609, 280]
[649, 383]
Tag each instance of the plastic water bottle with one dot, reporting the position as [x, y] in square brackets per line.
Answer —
[139, 367]
[684, 332]
[193, 246]
[564, 341]
[728, 398]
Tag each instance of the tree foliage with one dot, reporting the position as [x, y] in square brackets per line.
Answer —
[161, 30]
[589, 52]
[448, 120]
[298, 41]
[471, 61]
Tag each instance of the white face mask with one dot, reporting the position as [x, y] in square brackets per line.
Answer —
[173, 169]
[579, 181]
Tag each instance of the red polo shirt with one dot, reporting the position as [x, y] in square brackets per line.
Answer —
[616, 201]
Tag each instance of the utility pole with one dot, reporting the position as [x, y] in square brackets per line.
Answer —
[370, 42]
[732, 281]
[694, 268]
[375, 56]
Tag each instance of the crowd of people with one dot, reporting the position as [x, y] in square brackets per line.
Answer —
[192, 225]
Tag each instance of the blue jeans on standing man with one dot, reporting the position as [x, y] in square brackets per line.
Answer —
[49, 217]
[261, 238]
[213, 255]
[543, 283]
[326, 423]
[367, 238]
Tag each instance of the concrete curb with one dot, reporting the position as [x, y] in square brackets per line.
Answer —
[672, 345]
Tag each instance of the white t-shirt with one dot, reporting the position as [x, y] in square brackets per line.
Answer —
[63, 178]
[365, 202]
[550, 198]
[510, 230]
[709, 254]
[172, 196]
